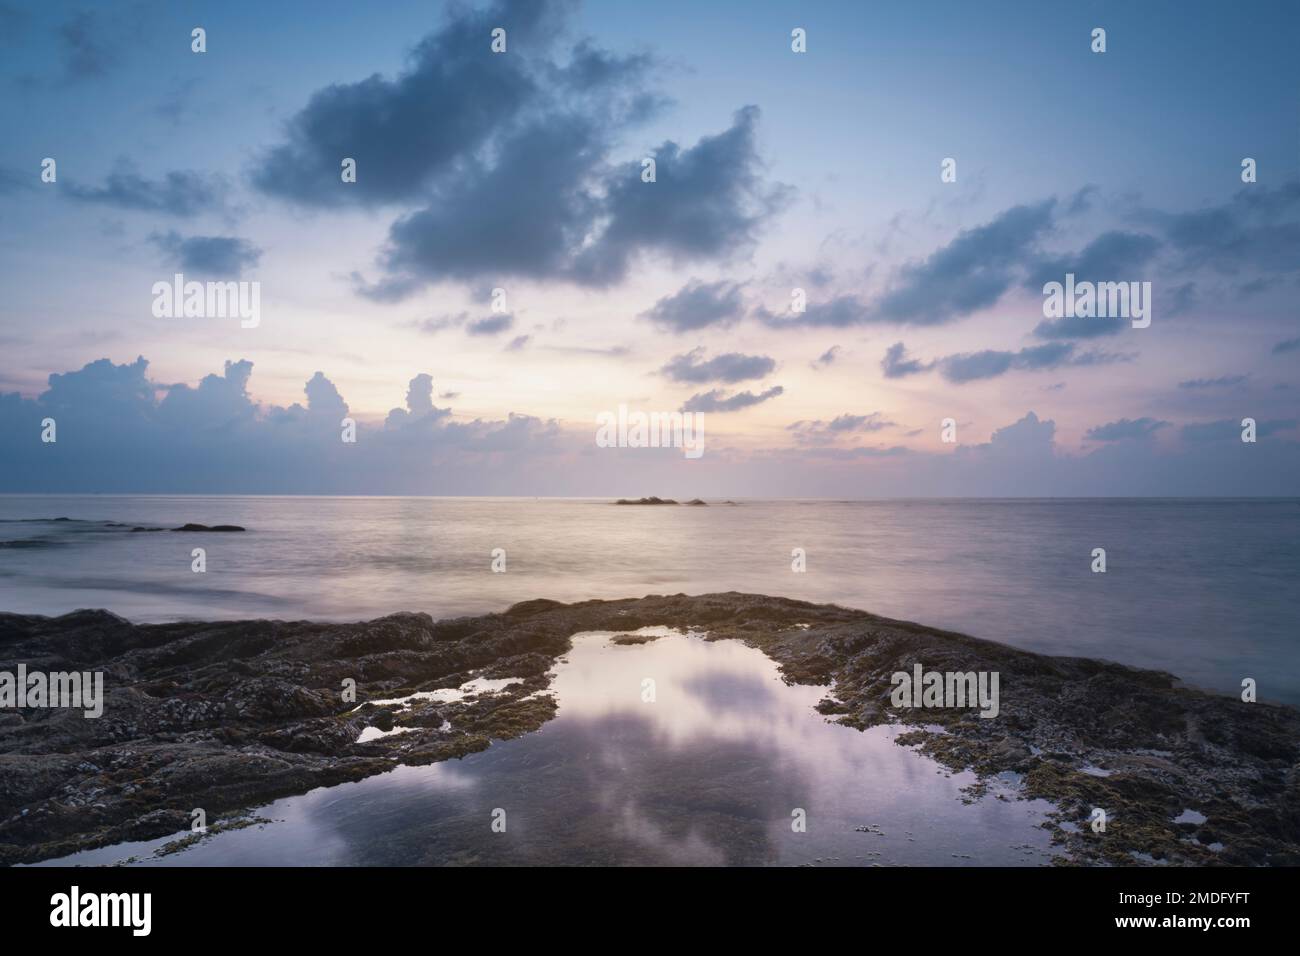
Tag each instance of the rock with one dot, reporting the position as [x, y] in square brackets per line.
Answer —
[232, 714]
[645, 501]
[203, 527]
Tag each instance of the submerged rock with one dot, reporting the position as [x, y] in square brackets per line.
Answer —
[645, 501]
[232, 714]
[204, 527]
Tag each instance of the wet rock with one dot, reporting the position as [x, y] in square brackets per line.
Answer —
[228, 715]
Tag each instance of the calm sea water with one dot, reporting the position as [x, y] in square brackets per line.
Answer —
[1206, 589]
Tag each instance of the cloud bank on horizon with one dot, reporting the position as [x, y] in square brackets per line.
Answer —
[828, 253]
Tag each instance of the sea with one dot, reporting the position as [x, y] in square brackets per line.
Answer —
[1206, 589]
[728, 765]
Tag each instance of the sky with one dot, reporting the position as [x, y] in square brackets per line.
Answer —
[500, 274]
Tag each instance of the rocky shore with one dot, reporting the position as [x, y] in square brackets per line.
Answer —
[225, 716]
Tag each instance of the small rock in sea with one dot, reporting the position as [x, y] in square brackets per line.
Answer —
[698, 502]
[646, 501]
[203, 527]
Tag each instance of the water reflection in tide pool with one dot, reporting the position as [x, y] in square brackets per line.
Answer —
[707, 773]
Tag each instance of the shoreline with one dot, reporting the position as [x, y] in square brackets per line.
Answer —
[229, 715]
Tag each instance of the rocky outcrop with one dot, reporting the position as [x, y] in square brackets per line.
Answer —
[227, 715]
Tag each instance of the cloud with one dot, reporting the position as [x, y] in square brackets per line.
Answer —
[1222, 381]
[826, 359]
[86, 51]
[969, 273]
[491, 325]
[501, 167]
[1258, 230]
[990, 363]
[1285, 346]
[180, 193]
[420, 410]
[821, 432]
[518, 342]
[543, 210]
[432, 325]
[121, 432]
[218, 256]
[838, 312]
[1111, 257]
[730, 367]
[718, 401]
[405, 132]
[1140, 429]
[897, 364]
[709, 202]
[697, 305]
[1079, 327]
[118, 430]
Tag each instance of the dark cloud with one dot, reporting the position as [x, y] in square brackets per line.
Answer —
[491, 324]
[1081, 201]
[542, 209]
[179, 193]
[435, 324]
[87, 53]
[503, 161]
[897, 364]
[1079, 327]
[216, 256]
[837, 313]
[990, 363]
[826, 359]
[1223, 381]
[970, 273]
[518, 342]
[718, 401]
[404, 132]
[729, 367]
[1285, 346]
[1258, 230]
[821, 432]
[973, 366]
[708, 202]
[697, 305]
[1139, 429]
[1110, 257]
